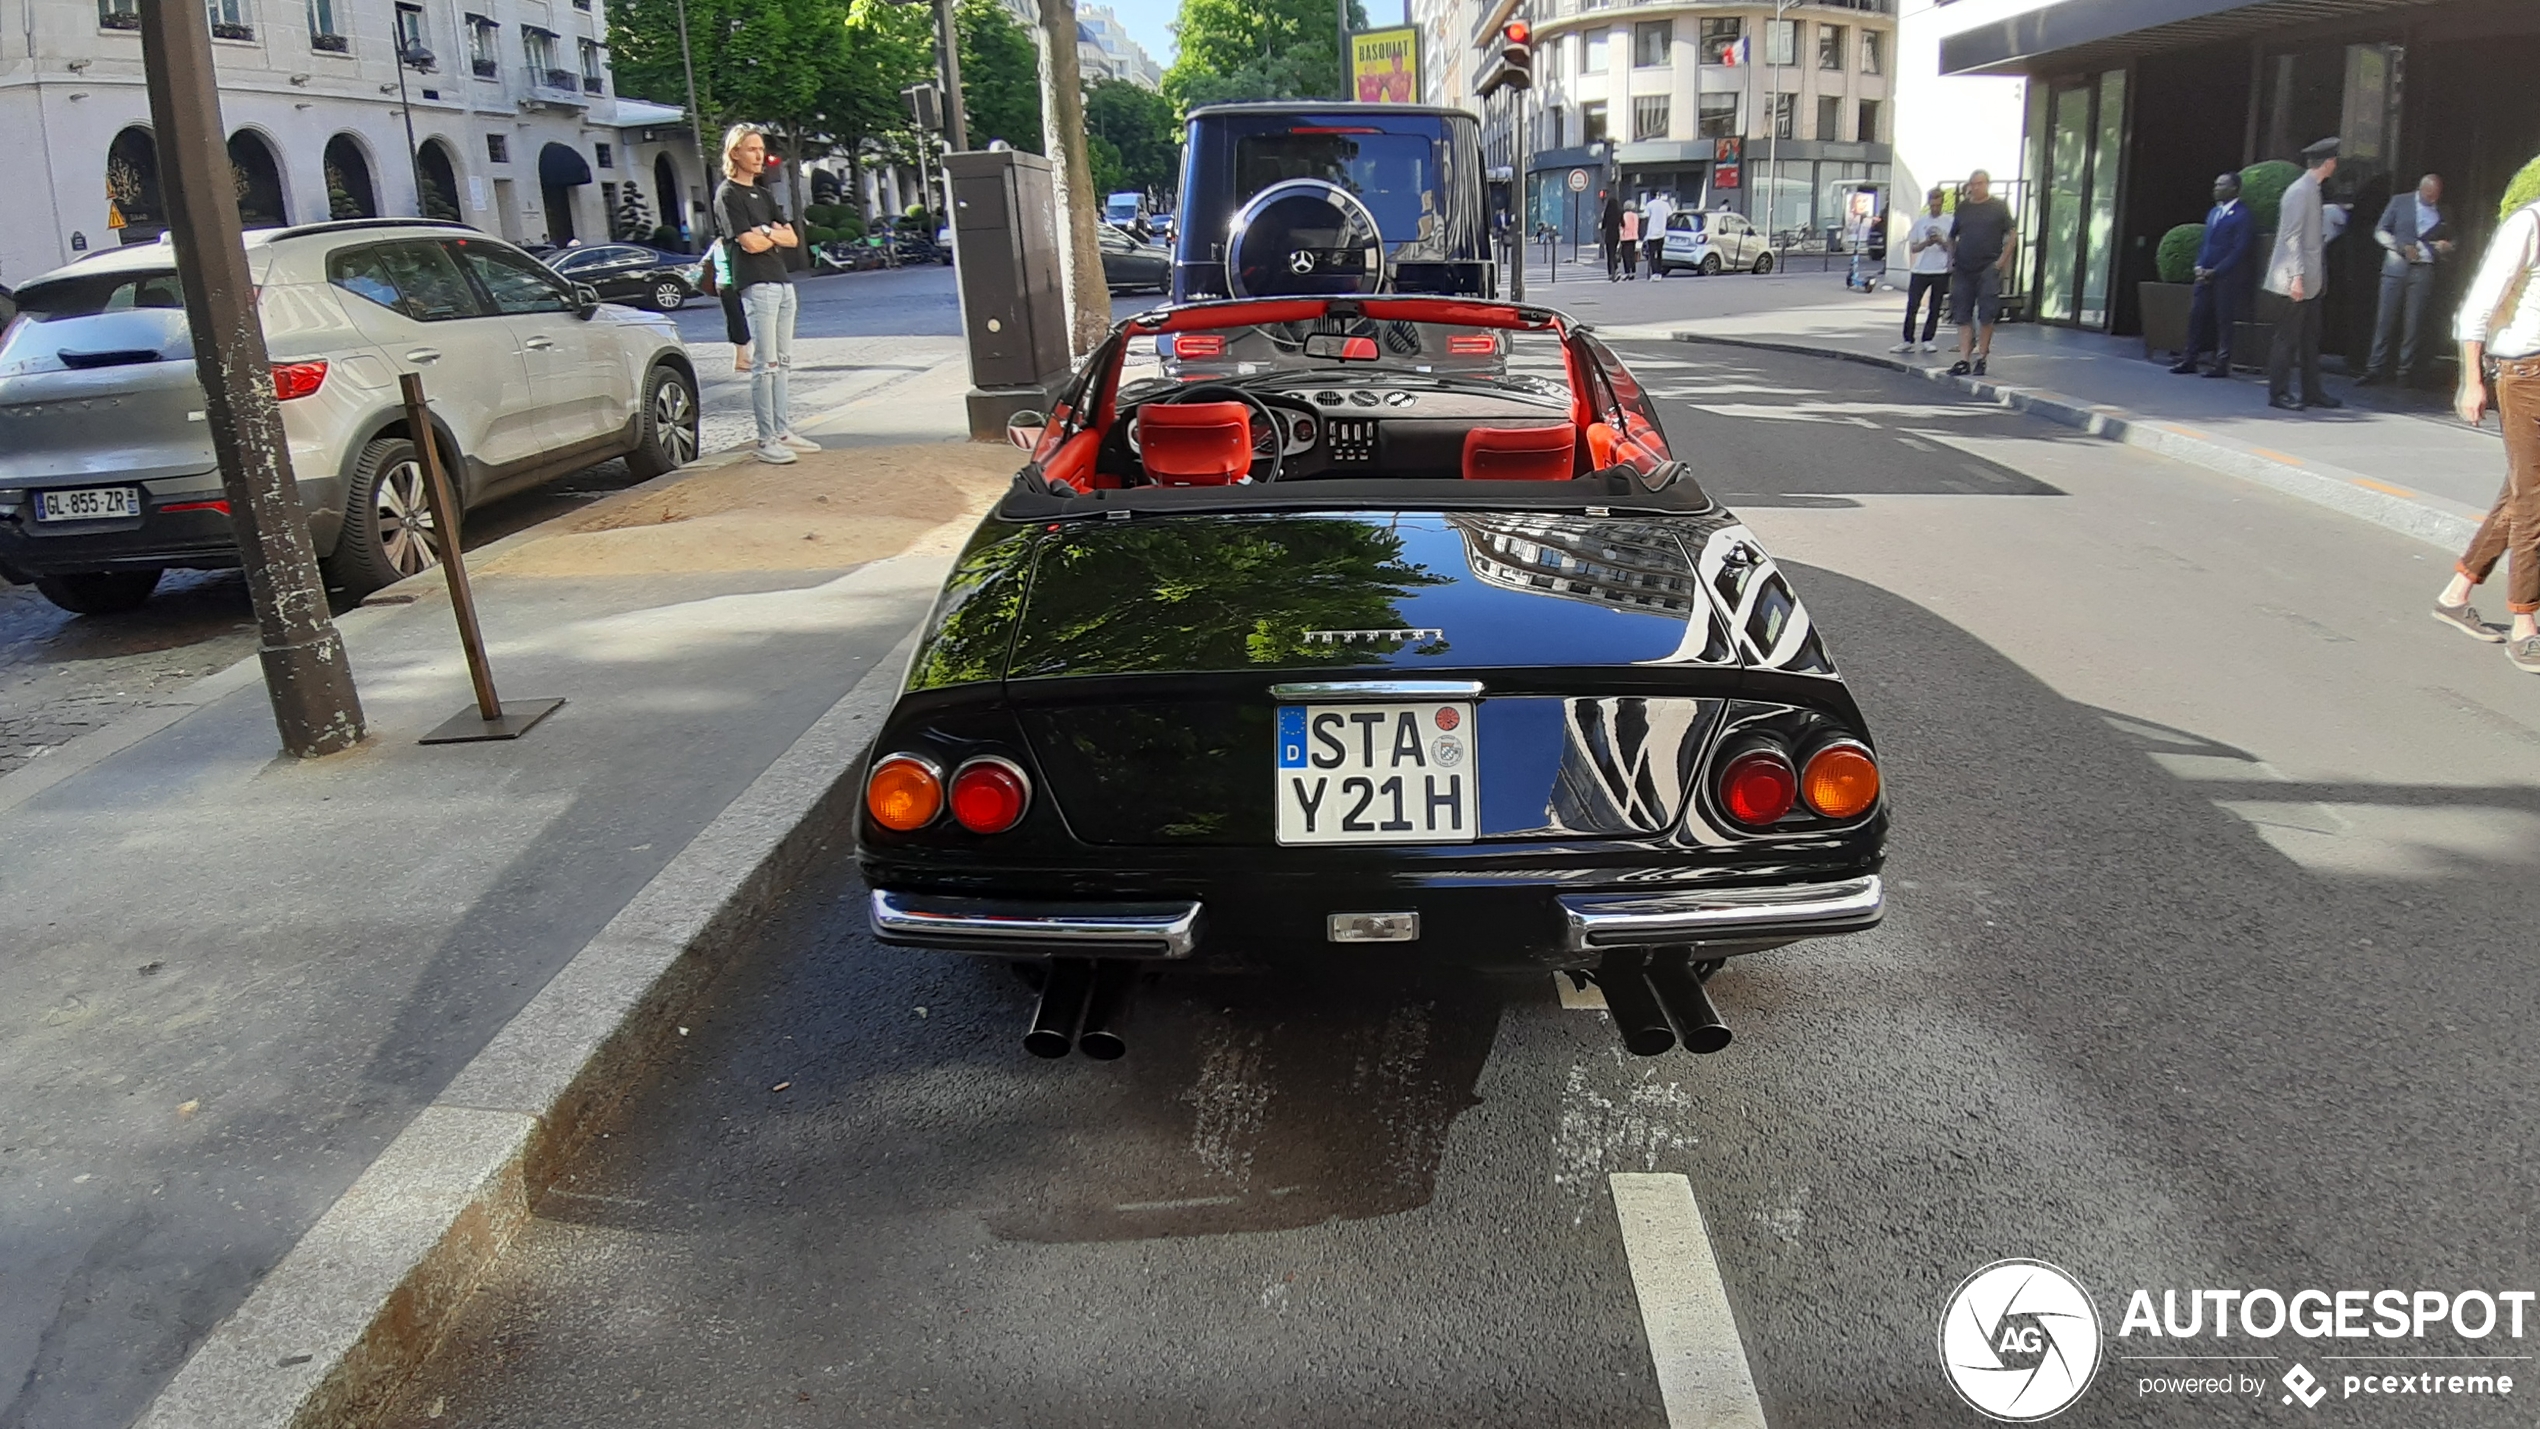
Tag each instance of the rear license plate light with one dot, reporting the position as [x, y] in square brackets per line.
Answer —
[1372, 928]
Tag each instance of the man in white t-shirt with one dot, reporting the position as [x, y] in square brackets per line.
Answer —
[1653, 232]
[1927, 259]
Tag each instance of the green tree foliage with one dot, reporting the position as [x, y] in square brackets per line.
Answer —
[1256, 49]
[769, 62]
[889, 47]
[1136, 139]
[2176, 257]
[1000, 76]
[2524, 189]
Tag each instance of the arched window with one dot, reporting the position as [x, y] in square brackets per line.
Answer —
[132, 185]
[350, 192]
[259, 181]
[440, 196]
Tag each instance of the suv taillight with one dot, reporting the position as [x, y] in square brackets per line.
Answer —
[297, 379]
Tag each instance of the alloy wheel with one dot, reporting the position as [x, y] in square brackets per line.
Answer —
[668, 297]
[407, 537]
[674, 423]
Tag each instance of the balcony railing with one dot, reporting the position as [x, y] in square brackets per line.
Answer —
[115, 17]
[558, 79]
[590, 84]
[228, 30]
[487, 69]
[331, 44]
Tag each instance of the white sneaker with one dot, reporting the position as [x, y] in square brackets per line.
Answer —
[1902, 347]
[799, 443]
[777, 454]
[1931, 347]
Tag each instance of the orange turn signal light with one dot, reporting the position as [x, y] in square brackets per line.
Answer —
[1841, 781]
[904, 792]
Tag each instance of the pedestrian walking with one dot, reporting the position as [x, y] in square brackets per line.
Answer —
[1927, 260]
[2222, 276]
[2299, 272]
[1630, 239]
[760, 237]
[1653, 232]
[1610, 227]
[2416, 238]
[1981, 235]
[2500, 321]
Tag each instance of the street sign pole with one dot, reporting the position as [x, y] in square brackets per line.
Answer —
[306, 674]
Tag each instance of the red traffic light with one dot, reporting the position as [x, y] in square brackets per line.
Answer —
[1518, 32]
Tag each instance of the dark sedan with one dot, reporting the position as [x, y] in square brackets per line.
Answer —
[1131, 266]
[1357, 656]
[626, 273]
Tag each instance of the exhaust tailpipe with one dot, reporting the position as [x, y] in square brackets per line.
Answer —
[1637, 1015]
[1106, 1009]
[1679, 990]
[1061, 1008]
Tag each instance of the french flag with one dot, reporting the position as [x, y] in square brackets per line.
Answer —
[1735, 54]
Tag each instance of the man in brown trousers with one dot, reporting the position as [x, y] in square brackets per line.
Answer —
[2500, 318]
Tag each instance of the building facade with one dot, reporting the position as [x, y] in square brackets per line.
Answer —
[516, 124]
[2131, 109]
[1105, 49]
[1641, 96]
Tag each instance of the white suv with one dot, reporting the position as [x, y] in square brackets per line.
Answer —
[106, 470]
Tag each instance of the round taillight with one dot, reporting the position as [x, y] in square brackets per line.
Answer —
[1841, 781]
[989, 795]
[1758, 787]
[904, 792]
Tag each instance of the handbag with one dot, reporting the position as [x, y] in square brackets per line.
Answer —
[710, 270]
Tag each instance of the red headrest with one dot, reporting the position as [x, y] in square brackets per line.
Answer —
[1519, 453]
[1195, 443]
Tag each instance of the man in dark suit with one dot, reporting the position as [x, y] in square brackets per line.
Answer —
[2222, 278]
[2416, 237]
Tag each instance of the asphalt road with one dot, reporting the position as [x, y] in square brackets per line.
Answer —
[63, 675]
[2211, 875]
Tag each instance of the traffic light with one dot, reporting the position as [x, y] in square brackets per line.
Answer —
[925, 106]
[1514, 66]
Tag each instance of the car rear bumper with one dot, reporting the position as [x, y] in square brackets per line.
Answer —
[1486, 927]
[198, 535]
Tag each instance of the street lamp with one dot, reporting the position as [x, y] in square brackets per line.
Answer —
[411, 55]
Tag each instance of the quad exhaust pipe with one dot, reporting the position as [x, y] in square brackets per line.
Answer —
[1083, 1003]
[1657, 1000]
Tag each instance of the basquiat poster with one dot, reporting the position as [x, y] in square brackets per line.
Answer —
[1384, 66]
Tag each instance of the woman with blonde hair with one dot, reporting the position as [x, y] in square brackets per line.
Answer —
[755, 230]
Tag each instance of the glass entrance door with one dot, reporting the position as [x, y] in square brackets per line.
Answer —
[2085, 145]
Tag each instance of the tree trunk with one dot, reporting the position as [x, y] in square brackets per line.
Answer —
[1063, 121]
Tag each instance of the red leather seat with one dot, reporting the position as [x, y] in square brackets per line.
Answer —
[1195, 443]
[1519, 453]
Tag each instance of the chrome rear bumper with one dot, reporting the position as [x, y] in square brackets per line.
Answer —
[1596, 921]
[984, 925]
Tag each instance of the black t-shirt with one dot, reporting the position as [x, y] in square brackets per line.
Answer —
[746, 206]
[1981, 229]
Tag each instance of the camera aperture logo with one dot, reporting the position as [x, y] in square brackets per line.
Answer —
[2020, 1340]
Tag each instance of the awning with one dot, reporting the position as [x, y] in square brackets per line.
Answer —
[2075, 35]
[561, 166]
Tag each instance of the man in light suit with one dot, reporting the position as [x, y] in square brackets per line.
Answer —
[2299, 272]
[2222, 278]
[2417, 235]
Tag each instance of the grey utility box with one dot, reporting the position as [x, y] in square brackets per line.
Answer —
[1013, 308]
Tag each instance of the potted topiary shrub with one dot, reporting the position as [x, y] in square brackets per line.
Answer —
[2167, 303]
[2524, 189]
[2262, 188]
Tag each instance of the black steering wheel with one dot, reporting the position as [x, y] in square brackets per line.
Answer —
[1222, 390]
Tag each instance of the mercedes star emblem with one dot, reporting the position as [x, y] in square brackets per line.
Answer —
[1300, 262]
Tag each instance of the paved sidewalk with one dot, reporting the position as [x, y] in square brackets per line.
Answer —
[236, 977]
[2402, 462]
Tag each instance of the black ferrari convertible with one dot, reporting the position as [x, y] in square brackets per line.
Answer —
[1367, 628]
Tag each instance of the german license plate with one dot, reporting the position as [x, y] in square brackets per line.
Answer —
[88, 503]
[1378, 774]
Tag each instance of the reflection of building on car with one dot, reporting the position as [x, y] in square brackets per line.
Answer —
[1332, 199]
[627, 273]
[1702, 242]
[530, 377]
[1335, 648]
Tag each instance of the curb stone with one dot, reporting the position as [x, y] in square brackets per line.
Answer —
[2321, 485]
[326, 1338]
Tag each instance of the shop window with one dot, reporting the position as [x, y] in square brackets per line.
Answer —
[1869, 130]
[1719, 40]
[1829, 47]
[1718, 116]
[1649, 117]
[1650, 41]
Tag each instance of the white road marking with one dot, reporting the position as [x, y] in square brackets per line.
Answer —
[1918, 444]
[1590, 998]
[1735, 389]
[1702, 1373]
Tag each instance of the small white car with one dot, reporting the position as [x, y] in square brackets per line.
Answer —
[1710, 242]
